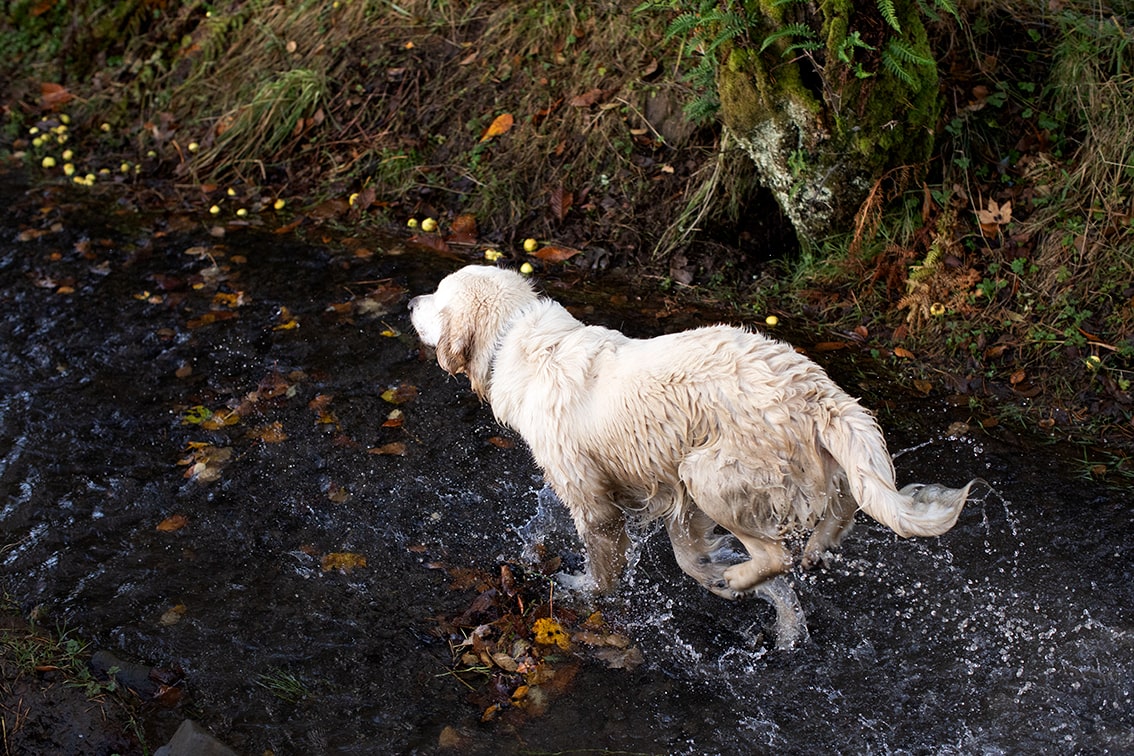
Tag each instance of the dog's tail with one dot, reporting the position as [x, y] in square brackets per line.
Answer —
[855, 441]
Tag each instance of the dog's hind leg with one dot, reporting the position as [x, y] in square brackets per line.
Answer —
[691, 533]
[768, 559]
[836, 523]
[737, 498]
[791, 624]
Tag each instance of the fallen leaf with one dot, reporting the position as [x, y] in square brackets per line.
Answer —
[903, 352]
[213, 316]
[501, 443]
[342, 560]
[923, 386]
[206, 461]
[620, 658]
[287, 320]
[553, 253]
[230, 299]
[331, 208]
[218, 420]
[830, 346]
[995, 216]
[561, 202]
[542, 114]
[54, 96]
[172, 615]
[463, 229]
[502, 124]
[432, 241]
[548, 632]
[272, 433]
[395, 449]
[173, 523]
[505, 662]
[586, 99]
[400, 394]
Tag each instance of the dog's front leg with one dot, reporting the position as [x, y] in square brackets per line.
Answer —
[606, 552]
[602, 528]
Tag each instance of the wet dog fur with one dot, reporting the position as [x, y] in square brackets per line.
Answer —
[716, 426]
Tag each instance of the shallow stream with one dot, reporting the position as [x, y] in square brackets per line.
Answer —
[230, 390]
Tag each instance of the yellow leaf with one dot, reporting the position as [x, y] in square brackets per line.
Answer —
[548, 632]
[342, 560]
[400, 394]
[502, 124]
[172, 615]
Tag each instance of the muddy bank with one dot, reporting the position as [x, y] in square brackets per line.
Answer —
[227, 455]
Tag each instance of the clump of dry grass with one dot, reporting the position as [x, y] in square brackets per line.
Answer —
[1093, 83]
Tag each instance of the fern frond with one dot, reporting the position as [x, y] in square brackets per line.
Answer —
[907, 54]
[791, 30]
[810, 46]
[889, 14]
[683, 24]
[930, 9]
[894, 66]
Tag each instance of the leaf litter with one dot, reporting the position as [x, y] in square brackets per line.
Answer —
[514, 648]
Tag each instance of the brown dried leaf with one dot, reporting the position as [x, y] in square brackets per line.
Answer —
[272, 433]
[561, 202]
[173, 523]
[463, 229]
[432, 241]
[552, 253]
[54, 96]
[586, 99]
[395, 449]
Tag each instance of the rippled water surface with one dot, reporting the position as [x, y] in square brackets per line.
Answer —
[1012, 633]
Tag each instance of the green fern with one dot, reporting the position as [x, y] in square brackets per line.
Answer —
[907, 54]
[889, 14]
[897, 56]
[705, 26]
[931, 9]
[791, 30]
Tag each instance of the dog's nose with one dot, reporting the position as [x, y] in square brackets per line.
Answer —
[414, 303]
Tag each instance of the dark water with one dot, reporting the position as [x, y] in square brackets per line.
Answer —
[1013, 633]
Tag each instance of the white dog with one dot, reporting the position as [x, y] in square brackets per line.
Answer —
[713, 426]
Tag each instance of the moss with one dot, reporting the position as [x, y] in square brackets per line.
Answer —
[820, 135]
[750, 95]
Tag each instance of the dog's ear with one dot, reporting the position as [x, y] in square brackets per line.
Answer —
[456, 344]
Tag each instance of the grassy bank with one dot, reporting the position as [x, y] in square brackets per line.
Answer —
[1003, 279]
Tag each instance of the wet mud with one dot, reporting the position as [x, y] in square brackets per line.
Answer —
[203, 468]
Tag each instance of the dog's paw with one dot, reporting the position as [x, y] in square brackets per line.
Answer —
[813, 558]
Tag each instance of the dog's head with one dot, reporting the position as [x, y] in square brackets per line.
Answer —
[464, 318]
